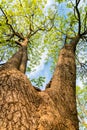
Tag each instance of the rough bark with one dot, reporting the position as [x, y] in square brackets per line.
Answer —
[24, 108]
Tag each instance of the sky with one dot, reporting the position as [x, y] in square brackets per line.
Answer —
[44, 68]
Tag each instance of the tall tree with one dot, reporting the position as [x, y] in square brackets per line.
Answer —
[22, 107]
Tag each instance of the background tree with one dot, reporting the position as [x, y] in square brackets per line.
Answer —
[55, 108]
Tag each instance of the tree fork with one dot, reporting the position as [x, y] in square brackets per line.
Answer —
[22, 107]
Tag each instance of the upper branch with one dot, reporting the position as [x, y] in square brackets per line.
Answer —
[33, 32]
[78, 16]
[77, 2]
[11, 27]
[38, 28]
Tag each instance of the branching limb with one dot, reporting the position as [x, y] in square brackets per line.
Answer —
[39, 28]
[11, 27]
[31, 33]
[77, 2]
[24, 43]
[31, 30]
[78, 16]
[84, 33]
[83, 65]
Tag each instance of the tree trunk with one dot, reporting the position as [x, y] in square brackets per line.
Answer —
[24, 108]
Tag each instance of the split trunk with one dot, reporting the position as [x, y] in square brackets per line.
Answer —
[24, 108]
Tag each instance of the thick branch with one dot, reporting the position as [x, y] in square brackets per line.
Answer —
[77, 2]
[78, 15]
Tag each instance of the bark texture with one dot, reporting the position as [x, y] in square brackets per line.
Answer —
[24, 108]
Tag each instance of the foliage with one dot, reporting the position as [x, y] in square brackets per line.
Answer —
[82, 106]
[39, 81]
[82, 62]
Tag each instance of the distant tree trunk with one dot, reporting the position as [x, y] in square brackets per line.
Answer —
[24, 108]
